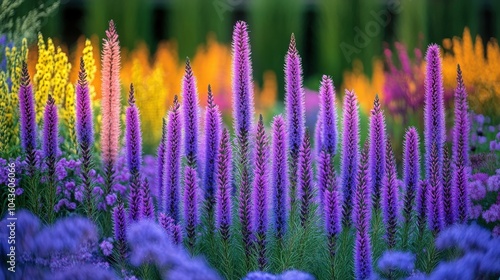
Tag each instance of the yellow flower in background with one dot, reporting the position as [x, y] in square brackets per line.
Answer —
[365, 87]
[481, 70]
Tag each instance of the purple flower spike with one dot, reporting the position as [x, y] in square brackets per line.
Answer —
[331, 203]
[305, 181]
[27, 118]
[260, 187]
[435, 195]
[133, 139]
[190, 204]
[133, 143]
[242, 80]
[120, 229]
[161, 156]
[317, 138]
[279, 176]
[295, 111]
[460, 152]
[324, 170]
[84, 126]
[434, 128]
[421, 204]
[389, 197]
[361, 219]
[224, 178]
[173, 161]
[350, 152]
[448, 213]
[50, 130]
[377, 150]
[212, 141]
[148, 210]
[411, 162]
[190, 108]
[327, 116]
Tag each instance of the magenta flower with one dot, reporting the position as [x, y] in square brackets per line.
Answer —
[212, 141]
[350, 152]
[327, 116]
[224, 180]
[361, 220]
[460, 153]
[173, 161]
[389, 197]
[434, 128]
[27, 118]
[377, 150]
[190, 204]
[411, 174]
[260, 187]
[305, 180]
[190, 108]
[279, 176]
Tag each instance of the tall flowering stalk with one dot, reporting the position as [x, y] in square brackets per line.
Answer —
[460, 154]
[260, 187]
[389, 197]
[27, 118]
[305, 181]
[148, 210]
[361, 219]
[279, 177]
[242, 115]
[120, 231]
[448, 195]
[421, 205]
[190, 204]
[190, 108]
[324, 170]
[50, 146]
[411, 176]
[435, 194]
[327, 116]
[434, 126]
[377, 150]
[161, 165]
[224, 180]
[110, 104]
[172, 173]
[85, 134]
[212, 141]
[332, 203]
[295, 111]
[223, 196]
[350, 152]
[133, 144]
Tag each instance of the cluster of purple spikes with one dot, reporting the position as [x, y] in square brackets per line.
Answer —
[279, 164]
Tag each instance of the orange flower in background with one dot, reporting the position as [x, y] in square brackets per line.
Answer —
[481, 70]
[365, 87]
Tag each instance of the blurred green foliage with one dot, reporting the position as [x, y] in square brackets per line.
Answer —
[330, 33]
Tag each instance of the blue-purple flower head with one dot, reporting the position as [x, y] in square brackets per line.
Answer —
[190, 108]
[392, 261]
[84, 126]
[328, 116]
